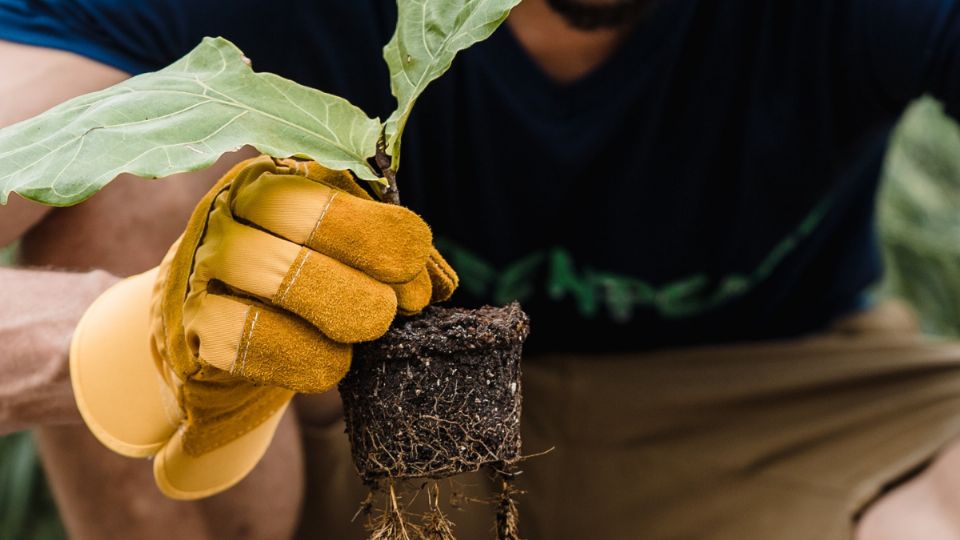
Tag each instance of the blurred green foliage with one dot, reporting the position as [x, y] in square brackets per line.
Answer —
[7, 253]
[27, 511]
[919, 224]
[919, 217]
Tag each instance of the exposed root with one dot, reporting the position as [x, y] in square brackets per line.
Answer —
[436, 525]
[508, 516]
[366, 505]
[395, 521]
[391, 523]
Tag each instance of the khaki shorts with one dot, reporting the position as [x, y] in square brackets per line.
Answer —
[773, 441]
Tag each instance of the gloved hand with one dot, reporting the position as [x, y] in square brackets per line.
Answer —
[283, 265]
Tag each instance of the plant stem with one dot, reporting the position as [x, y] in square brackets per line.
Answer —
[391, 193]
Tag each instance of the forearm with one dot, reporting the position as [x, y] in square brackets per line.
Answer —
[38, 312]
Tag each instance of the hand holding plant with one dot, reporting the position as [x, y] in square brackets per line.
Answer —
[284, 265]
[262, 296]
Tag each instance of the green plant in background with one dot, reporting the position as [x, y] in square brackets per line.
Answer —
[27, 511]
[919, 217]
[7, 254]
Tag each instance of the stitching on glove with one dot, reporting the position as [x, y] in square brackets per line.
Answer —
[323, 214]
[303, 259]
[244, 344]
[246, 347]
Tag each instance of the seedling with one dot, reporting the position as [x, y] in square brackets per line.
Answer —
[185, 116]
[438, 395]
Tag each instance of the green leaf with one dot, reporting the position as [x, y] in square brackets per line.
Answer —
[429, 34]
[179, 119]
[18, 475]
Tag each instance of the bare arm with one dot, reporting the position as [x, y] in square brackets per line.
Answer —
[39, 309]
[124, 229]
[34, 80]
[37, 317]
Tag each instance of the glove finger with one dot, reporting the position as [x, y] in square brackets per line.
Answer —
[342, 302]
[435, 283]
[414, 295]
[264, 345]
[385, 241]
[442, 276]
[244, 258]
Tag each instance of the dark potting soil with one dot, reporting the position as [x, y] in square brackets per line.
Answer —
[438, 395]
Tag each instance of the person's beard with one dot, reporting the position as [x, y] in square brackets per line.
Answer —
[592, 15]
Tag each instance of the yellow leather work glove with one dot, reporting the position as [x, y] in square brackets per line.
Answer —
[283, 265]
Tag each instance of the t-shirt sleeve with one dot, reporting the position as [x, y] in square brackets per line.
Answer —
[905, 48]
[133, 36]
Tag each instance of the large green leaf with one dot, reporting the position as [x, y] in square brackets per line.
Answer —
[429, 34]
[180, 119]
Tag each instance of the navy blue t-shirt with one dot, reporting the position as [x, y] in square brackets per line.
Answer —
[712, 181]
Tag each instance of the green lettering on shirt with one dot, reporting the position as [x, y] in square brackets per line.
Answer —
[555, 272]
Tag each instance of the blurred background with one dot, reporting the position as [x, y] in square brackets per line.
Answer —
[919, 225]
